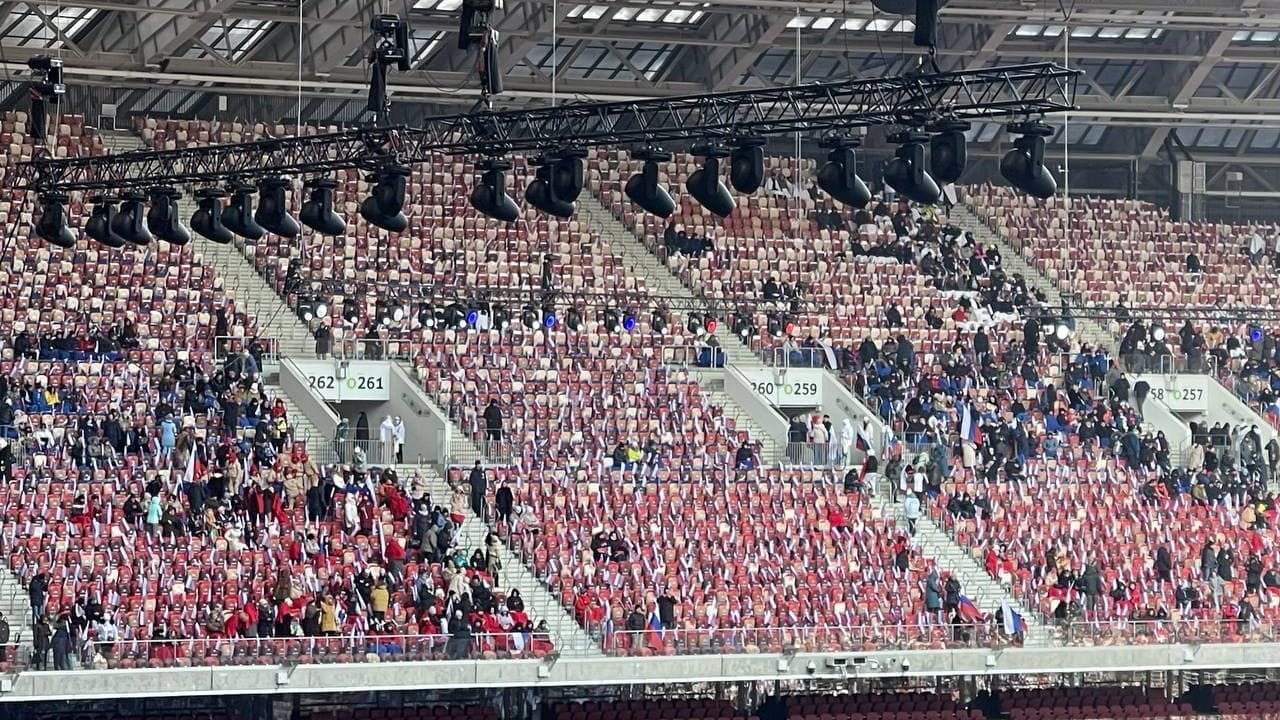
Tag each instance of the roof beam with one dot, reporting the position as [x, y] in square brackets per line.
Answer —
[1191, 82]
[726, 63]
[159, 35]
[326, 47]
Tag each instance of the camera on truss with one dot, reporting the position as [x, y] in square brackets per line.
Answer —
[46, 90]
[391, 44]
[477, 21]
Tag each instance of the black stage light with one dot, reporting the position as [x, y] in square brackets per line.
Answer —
[207, 219]
[611, 321]
[384, 207]
[130, 222]
[273, 208]
[906, 172]
[489, 197]
[658, 322]
[98, 226]
[643, 188]
[238, 216]
[499, 317]
[1023, 166]
[838, 177]
[530, 317]
[744, 326]
[705, 186]
[52, 225]
[573, 319]
[948, 152]
[317, 212]
[455, 316]
[163, 218]
[746, 165]
[542, 194]
[351, 312]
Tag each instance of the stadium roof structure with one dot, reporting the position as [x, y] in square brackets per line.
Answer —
[1165, 81]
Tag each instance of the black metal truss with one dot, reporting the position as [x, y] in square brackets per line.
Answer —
[1011, 91]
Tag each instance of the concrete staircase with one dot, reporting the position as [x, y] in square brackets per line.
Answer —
[118, 142]
[16, 605]
[1014, 262]
[985, 591]
[662, 282]
[570, 637]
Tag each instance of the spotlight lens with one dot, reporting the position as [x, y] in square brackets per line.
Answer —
[472, 317]
[322, 310]
[629, 323]
[712, 325]
[549, 321]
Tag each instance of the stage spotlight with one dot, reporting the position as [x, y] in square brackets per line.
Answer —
[629, 322]
[499, 317]
[610, 320]
[1023, 166]
[710, 324]
[781, 326]
[658, 322]
[313, 309]
[643, 188]
[317, 212]
[52, 225]
[746, 165]
[163, 218]
[529, 317]
[489, 197]
[573, 320]
[238, 216]
[384, 208]
[130, 222]
[705, 186]
[1255, 334]
[98, 226]
[744, 327]
[839, 177]
[549, 320]
[207, 220]
[948, 151]
[351, 313]
[426, 316]
[541, 193]
[455, 316]
[906, 171]
[693, 323]
[273, 208]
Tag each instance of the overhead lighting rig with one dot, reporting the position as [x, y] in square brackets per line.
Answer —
[740, 123]
[1013, 91]
[46, 91]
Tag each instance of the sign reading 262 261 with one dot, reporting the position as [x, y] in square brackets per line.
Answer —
[368, 380]
[795, 387]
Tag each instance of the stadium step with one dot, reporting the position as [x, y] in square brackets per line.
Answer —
[934, 542]
[16, 606]
[570, 637]
[1087, 329]
[770, 452]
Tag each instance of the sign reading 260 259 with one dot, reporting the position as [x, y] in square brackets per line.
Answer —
[796, 387]
[799, 389]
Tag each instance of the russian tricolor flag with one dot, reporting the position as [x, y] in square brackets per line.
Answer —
[968, 610]
[969, 424]
[1013, 622]
[862, 443]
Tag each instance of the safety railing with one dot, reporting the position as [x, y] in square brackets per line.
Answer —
[229, 346]
[798, 357]
[1187, 631]
[703, 356]
[809, 454]
[925, 634]
[1139, 363]
[301, 650]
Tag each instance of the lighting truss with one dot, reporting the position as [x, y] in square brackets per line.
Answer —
[1011, 91]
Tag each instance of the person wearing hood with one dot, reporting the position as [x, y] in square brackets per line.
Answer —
[387, 440]
[505, 501]
[399, 438]
[847, 437]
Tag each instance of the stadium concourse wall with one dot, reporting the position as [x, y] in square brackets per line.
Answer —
[583, 672]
